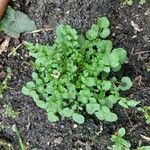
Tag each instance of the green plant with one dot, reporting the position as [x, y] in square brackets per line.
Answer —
[2, 126]
[16, 22]
[146, 111]
[119, 142]
[21, 145]
[130, 2]
[4, 84]
[9, 112]
[143, 148]
[73, 75]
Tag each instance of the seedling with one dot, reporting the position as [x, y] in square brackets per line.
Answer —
[4, 84]
[21, 145]
[119, 142]
[146, 111]
[9, 112]
[2, 126]
[130, 2]
[72, 76]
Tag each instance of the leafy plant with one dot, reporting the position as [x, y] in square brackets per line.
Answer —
[9, 112]
[143, 148]
[73, 75]
[146, 111]
[130, 2]
[16, 22]
[4, 84]
[21, 145]
[119, 142]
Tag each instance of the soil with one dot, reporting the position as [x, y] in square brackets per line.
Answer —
[36, 131]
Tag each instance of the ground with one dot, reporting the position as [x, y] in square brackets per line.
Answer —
[36, 131]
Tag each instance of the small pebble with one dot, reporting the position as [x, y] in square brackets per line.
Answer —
[58, 140]
[75, 126]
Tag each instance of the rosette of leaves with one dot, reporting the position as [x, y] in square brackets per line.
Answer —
[72, 76]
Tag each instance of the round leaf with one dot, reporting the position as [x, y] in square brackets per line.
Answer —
[103, 22]
[25, 90]
[106, 85]
[126, 84]
[78, 118]
[52, 117]
[105, 33]
[92, 108]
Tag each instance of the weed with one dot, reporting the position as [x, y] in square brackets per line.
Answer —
[4, 84]
[130, 2]
[146, 111]
[2, 126]
[9, 112]
[119, 142]
[73, 75]
[21, 145]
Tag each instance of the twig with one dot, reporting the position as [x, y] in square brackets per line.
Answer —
[39, 30]
[142, 52]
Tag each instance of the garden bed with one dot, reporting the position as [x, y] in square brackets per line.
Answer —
[35, 130]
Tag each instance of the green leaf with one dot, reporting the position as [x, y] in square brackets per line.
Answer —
[106, 69]
[122, 54]
[100, 115]
[30, 85]
[105, 33]
[90, 82]
[114, 60]
[78, 118]
[92, 108]
[106, 85]
[132, 103]
[25, 90]
[126, 84]
[92, 33]
[34, 75]
[16, 22]
[66, 112]
[105, 114]
[103, 22]
[123, 104]
[121, 132]
[52, 117]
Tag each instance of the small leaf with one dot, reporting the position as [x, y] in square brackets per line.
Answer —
[126, 84]
[30, 85]
[52, 117]
[106, 85]
[121, 132]
[66, 112]
[78, 118]
[123, 103]
[25, 90]
[100, 115]
[132, 103]
[92, 108]
[122, 54]
[103, 22]
[90, 82]
[105, 33]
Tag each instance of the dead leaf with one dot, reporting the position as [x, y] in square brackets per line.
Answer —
[135, 26]
[4, 45]
[145, 138]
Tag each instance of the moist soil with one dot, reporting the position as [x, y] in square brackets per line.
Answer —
[36, 131]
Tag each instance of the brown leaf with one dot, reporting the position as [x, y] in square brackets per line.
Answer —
[4, 45]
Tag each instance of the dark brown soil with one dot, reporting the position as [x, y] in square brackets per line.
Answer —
[35, 130]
